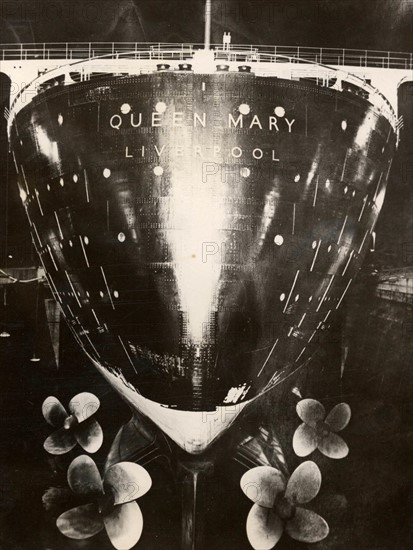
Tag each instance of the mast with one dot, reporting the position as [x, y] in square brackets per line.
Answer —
[207, 39]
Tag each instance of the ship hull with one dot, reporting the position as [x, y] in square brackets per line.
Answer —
[200, 230]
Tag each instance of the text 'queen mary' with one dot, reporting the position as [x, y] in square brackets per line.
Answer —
[177, 119]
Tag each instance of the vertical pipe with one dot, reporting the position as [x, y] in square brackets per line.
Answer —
[207, 38]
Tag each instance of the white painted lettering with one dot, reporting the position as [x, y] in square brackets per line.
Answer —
[202, 120]
[232, 122]
[272, 122]
[289, 124]
[178, 119]
[159, 152]
[256, 122]
[156, 119]
[116, 122]
[236, 152]
[132, 120]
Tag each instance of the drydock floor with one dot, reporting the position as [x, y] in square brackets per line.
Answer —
[367, 498]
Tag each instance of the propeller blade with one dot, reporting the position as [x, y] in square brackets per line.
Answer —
[304, 440]
[124, 525]
[128, 481]
[333, 446]
[53, 411]
[81, 522]
[83, 405]
[307, 526]
[83, 476]
[59, 442]
[262, 484]
[55, 499]
[304, 483]
[264, 528]
[310, 411]
[339, 417]
[89, 435]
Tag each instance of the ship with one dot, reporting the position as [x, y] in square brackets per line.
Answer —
[200, 214]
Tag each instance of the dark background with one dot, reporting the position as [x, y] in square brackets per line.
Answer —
[372, 24]
[366, 498]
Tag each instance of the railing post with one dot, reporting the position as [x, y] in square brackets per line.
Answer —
[44, 50]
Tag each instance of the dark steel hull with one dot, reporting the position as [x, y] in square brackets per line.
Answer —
[198, 261]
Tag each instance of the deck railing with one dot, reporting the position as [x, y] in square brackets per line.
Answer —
[84, 50]
[300, 67]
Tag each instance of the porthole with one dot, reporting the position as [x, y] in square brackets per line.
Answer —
[160, 107]
[244, 109]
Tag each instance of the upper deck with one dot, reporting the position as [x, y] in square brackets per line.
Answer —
[325, 56]
[34, 67]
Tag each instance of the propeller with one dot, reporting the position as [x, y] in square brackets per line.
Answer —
[275, 507]
[113, 507]
[77, 426]
[318, 431]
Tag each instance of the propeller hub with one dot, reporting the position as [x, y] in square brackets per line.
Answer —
[284, 507]
[70, 422]
[106, 503]
[322, 429]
